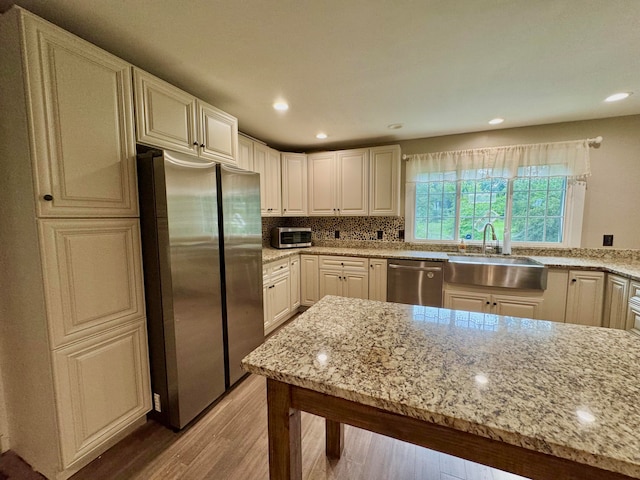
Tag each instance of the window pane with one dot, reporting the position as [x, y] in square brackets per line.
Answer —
[520, 184]
[539, 183]
[553, 230]
[433, 208]
[518, 229]
[557, 183]
[537, 203]
[535, 229]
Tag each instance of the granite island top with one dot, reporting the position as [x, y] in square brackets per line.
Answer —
[626, 268]
[567, 390]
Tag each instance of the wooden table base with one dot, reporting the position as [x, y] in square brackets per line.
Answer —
[284, 403]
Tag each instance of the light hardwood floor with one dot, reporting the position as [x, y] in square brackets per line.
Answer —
[229, 441]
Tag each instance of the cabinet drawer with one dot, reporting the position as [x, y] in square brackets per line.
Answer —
[633, 316]
[634, 290]
[278, 267]
[351, 263]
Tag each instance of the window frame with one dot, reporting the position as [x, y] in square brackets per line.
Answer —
[572, 228]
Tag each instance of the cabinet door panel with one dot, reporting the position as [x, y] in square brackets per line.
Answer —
[471, 302]
[321, 171]
[274, 182]
[378, 279]
[82, 117]
[281, 297]
[384, 181]
[355, 285]
[585, 298]
[309, 289]
[294, 184]
[294, 273]
[633, 317]
[165, 115]
[219, 134]
[245, 153]
[516, 306]
[330, 283]
[353, 182]
[615, 303]
[102, 385]
[93, 275]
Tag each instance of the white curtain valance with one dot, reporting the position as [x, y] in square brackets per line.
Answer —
[566, 159]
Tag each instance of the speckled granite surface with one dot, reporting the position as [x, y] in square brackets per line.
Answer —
[567, 390]
[629, 268]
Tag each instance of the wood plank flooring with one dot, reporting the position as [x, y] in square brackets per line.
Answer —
[229, 442]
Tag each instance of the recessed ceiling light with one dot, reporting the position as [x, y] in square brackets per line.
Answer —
[321, 136]
[617, 96]
[394, 126]
[496, 121]
[281, 106]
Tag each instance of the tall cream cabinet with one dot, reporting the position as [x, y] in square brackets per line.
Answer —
[73, 345]
[168, 117]
[384, 181]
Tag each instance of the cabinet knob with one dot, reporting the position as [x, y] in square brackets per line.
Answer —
[371, 266]
[48, 197]
[195, 143]
[488, 303]
[573, 280]
[342, 263]
[285, 209]
[338, 209]
[494, 304]
[202, 145]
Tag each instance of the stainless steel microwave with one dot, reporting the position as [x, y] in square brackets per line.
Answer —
[290, 237]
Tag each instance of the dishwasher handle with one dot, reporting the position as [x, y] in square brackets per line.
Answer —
[408, 267]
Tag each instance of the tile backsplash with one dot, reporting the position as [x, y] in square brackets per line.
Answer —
[350, 228]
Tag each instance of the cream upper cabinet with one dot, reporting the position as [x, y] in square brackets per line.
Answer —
[615, 302]
[321, 168]
[170, 118]
[245, 153]
[266, 161]
[82, 131]
[294, 184]
[309, 290]
[353, 181]
[384, 181]
[218, 134]
[585, 297]
[339, 182]
[378, 279]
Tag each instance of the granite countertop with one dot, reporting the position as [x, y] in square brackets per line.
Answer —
[624, 268]
[567, 390]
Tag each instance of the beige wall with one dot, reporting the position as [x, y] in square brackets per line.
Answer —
[612, 200]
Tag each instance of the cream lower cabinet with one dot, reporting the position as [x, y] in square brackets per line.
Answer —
[615, 302]
[309, 272]
[378, 279]
[477, 299]
[633, 308]
[294, 273]
[585, 294]
[343, 276]
[277, 294]
[170, 118]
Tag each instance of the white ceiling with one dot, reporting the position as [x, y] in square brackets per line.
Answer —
[352, 67]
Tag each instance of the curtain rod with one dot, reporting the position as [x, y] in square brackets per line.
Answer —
[593, 142]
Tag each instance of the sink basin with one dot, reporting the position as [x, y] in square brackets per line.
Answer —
[496, 271]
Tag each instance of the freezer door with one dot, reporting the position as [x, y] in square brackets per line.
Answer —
[242, 230]
[192, 214]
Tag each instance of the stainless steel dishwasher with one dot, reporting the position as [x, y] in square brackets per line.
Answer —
[414, 282]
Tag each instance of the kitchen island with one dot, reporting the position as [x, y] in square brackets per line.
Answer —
[536, 398]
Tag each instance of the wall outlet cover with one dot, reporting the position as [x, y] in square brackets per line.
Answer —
[337, 233]
[379, 234]
[607, 240]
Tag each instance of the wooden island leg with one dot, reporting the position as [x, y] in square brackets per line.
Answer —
[285, 440]
[334, 438]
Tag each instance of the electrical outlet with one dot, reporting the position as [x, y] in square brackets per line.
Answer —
[156, 403]
[337, 233]
[379, 234]
[607, 240]
[401, 234]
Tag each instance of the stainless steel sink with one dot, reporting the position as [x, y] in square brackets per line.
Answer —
[498, 271]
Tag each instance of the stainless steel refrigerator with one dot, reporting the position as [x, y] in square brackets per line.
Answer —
[202, 253]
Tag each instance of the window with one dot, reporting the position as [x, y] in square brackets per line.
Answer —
[446, 210]
[535, 192]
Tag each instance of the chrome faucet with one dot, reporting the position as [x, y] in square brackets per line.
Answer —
[484, 237]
